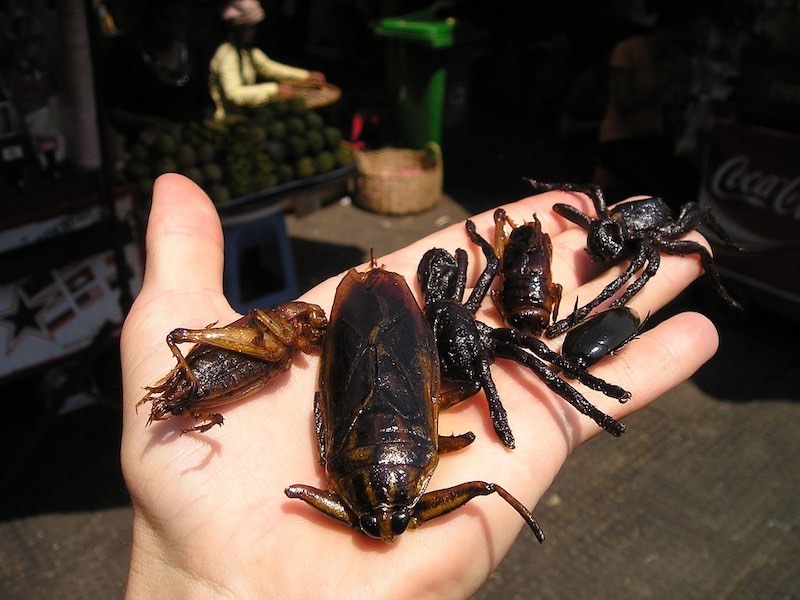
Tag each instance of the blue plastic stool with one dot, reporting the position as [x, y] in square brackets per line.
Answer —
[259, 263]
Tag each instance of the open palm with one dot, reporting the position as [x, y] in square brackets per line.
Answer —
[210, 515]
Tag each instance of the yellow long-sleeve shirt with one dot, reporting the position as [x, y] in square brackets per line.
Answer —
[233, 75]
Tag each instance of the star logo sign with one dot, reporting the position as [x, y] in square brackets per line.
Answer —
[21, 319]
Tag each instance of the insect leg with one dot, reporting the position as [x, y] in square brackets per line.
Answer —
[278, 327]
[440, 502]
[500, 235]
[571, 213]
[612, 288]
[653, 262]
[693, 216]
[245, 336]
[461, 275]
[319, 427]
[512, 339]
[595, 192]
[451, 443]
[683, 247]
[174, 338]
[562, 388]
[497, 411]
[459, 394]
[324, 501]
[487, 275]
[209, 421]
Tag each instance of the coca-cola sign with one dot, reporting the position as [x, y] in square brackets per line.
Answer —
[752, 181]
[752, 184]
[736, 180]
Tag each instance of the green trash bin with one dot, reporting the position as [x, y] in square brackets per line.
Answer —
[428, 61]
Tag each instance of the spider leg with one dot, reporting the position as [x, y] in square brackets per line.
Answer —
[653, 262]
[594, 192]
[570, 213]
[561, 387]
[487, 275]
[684, 247]
[461, 279]
[512, 338]
[693, 216]
[497, 411]
[612, 288]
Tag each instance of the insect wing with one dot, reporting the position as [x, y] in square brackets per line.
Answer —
[379, 371]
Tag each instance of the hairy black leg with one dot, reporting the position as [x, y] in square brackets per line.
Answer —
[497, 411]
[693, 216]
[570, 213]
[594, 192]
[612, 288]
[488, 274]
[653, 262]
[510, 338]
[562, 388]
[684, 247]
[461, 277]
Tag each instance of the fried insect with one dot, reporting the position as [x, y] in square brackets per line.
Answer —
[377, 412]
[467, 347]
[600, 335]
[528, 296]
[229, 362]
[639, 230]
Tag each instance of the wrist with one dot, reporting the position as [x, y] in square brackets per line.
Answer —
[159, 569]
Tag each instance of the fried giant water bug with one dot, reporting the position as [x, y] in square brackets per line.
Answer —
[376, 414]
[639, 230]
[467, 347]
[527, 296]
[229, 362]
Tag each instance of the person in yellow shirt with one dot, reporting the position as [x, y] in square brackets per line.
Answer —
[241, 75]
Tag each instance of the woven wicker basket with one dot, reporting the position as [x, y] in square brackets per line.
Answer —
[399, 181]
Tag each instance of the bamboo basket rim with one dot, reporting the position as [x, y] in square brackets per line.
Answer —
[399, 180]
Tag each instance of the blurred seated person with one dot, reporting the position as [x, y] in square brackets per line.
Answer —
[152, 75]
[241, 75]
[649, 76]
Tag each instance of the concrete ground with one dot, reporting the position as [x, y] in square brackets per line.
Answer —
[699, 499]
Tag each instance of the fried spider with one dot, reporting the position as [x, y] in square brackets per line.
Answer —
[639, 230]
[467, 347]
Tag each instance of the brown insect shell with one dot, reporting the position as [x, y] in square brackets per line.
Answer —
[377, 408]
[528, 295]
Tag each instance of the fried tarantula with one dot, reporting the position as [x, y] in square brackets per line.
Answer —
[639, 230]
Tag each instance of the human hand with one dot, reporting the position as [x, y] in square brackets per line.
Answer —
[285, 91]
[316, 77]
[210, 515]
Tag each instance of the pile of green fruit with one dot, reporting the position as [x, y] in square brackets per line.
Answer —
[274, 144]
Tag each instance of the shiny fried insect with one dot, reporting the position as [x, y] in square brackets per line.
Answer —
[228, 362]
[600, 335]
[467, 348]
[377, 412]
[639, 230]
[527, 296]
